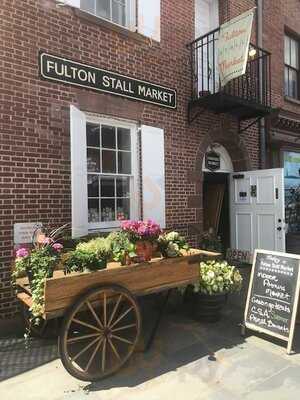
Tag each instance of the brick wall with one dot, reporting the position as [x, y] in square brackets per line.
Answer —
[34, 114]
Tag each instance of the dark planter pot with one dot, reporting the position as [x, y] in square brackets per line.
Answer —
[204, 307]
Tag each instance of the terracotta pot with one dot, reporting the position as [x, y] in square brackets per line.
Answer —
[144, 250]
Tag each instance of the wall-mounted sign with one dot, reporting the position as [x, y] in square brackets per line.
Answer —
[23, 231]
[273, 295]
[59, 69]
[212, 161]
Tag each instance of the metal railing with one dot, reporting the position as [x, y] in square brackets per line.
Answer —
[254, 86]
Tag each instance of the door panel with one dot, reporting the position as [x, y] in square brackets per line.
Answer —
[257, 210]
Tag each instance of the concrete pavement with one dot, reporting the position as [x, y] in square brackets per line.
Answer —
[188, 360]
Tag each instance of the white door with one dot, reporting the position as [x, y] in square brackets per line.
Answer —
[257, 210]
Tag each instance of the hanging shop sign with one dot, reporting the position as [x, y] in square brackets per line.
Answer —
[59, 69]
[273, 295]
[233, 46]
[212, 161]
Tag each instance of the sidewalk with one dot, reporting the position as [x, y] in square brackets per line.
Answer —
[188, 360]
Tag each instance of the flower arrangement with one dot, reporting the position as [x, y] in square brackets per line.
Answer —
[38, 264]
[171, 244]
[141, 230]
[218, 277]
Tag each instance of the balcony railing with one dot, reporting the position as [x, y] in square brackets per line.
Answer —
[247, 96]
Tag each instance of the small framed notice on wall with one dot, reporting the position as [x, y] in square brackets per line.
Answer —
[24, 231]
[273, 295]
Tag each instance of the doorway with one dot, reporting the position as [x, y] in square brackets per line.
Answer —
[216, 219]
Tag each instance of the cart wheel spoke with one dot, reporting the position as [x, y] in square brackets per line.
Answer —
[121, 339]
[121, 317]
[114, 310]
[75, 339]
[94, 314]
[114, 349]
[104, 308]
[93, 355]
[85, 349]
[103, 355]
[90, 345]
[86, 324]
[124, 327]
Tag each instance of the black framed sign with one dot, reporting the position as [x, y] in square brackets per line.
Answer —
[273, 295]
[212, 161]
[58, 69]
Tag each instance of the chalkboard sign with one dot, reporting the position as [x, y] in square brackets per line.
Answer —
[273, 294]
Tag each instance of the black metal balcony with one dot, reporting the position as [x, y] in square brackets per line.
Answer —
[248, 96]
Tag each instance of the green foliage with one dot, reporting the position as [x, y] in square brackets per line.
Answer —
[88, 256]
[218, 277]
[211, 242]
[171, 244]
[121, 247]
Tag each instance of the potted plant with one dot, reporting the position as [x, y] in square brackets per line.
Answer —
[171, 244]
[38, 264]
[144, 235]
[216, 280]
[88, 256]
[122, 249]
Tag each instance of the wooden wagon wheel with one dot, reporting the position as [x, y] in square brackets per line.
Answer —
[100, 332]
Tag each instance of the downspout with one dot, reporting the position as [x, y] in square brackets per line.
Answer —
[261, 123]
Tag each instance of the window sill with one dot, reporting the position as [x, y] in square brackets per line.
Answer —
[292, 100]
[110, 26]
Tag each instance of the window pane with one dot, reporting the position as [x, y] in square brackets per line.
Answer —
[123, 209]
[107, 187]
[286, 81]
[293, 84]
[93, 186]
[92, 135]
[108, 137]
[93, 205]
[287, 50]
[124, 139]
[118, 12]
[108, 209]
[294, 54]
[124, 162]
[88, 5]
[123, 187]
[103, 8]
[93, 160]
[109, 161]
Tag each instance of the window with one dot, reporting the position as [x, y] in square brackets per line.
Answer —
[120, 12]
[292, 69]
[110, 170]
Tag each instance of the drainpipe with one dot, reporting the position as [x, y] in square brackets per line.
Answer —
[261, 123]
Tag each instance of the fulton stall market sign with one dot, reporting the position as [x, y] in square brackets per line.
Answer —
[59, 69]
[233, 46]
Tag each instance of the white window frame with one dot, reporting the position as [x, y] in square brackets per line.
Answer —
[130, 14]
[134, 176]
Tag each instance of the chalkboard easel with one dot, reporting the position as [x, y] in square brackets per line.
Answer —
[273, 295]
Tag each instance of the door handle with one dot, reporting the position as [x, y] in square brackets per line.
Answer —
[279, 228]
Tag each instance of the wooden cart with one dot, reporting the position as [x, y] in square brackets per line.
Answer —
[101, 316]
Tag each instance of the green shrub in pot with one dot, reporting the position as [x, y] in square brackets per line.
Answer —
[123, 250]
[88, 256]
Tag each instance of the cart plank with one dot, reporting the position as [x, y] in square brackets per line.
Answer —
[144, 278]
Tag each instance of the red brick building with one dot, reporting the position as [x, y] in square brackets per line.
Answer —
[135, 154]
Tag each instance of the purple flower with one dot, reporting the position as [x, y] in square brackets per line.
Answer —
[57, 247]
[22, 252]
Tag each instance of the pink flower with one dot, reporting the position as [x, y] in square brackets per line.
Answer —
[22, 252]
[57, 247]
[47, 240]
